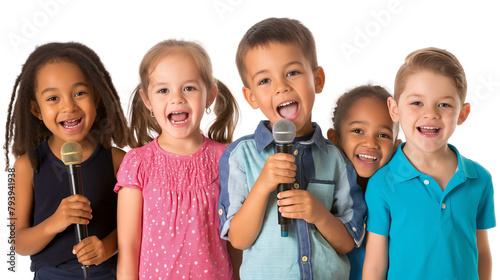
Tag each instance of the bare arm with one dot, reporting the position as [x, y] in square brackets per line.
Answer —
[484, 265]
[129, 233]
[31, 240]
[247, 222]
[93, 250]
[376, 257]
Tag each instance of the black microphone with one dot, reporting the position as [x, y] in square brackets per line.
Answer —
[283, 134]
[71, 155]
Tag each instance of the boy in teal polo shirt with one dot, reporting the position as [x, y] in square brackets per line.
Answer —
[429, 208]
[277, 62]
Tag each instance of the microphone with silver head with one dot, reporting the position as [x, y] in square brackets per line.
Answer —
[71, 156]
[283, 134]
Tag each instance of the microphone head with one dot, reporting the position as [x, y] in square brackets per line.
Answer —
[284, 131]
[71, 153]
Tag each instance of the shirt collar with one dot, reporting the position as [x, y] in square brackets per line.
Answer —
[264, 137]
[406, 171]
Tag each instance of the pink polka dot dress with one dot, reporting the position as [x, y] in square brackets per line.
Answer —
[180, 231]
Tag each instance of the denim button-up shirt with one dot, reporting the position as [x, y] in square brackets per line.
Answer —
[323, 171]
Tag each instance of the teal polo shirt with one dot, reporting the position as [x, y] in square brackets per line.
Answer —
[431, 233]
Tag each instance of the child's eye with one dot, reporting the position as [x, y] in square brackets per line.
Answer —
[264, 81]
[444, 105]
[163, 90]
[292, 73]
[384, 135]
[189, 88]
[357, 130]
[52, 98]
[80, 93]
[418, 103]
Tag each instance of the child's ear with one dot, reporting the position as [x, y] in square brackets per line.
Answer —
[396, 144]
[35, 109]
[393, 109]
[250, 97]
[145, 99]
[319, 79]
[464, 113]
[331, 136]
[211, 95]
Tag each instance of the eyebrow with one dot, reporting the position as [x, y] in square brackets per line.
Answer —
[419, 95]
[194, 81]
[286, 65]
[366, 123]
[55, 89]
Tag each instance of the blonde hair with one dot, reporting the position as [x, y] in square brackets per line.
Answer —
[432, 59]
[142, 126]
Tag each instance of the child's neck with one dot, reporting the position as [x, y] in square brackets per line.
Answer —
[181, 146]
[362, 182]
[440, 165]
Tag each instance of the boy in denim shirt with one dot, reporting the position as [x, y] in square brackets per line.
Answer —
[277, 63]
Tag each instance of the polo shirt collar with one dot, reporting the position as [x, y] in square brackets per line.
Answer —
[264, 137]
[407, 171]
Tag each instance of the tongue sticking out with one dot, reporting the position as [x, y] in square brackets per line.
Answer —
[288, 111]
[178, 117]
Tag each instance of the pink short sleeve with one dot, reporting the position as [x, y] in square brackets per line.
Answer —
[130, 174]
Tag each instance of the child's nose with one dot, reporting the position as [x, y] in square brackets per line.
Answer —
[431, 112]
[68, 105]
[281, 86]
[176, 97]
[371, 142]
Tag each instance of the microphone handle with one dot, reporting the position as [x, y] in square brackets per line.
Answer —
[284, 222]
[75, 184]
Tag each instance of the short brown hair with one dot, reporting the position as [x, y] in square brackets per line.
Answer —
[281, 30]
[432, 59]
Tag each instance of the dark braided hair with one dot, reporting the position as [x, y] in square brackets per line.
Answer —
[25, 131]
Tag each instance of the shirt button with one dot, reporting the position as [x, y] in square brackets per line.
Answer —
[304, 258]
[426, 182]
[296, 152]
[443, 206]
[220, 211]
[354, 229]
[296, 186]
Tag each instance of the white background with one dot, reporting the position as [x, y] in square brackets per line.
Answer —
[357, 42]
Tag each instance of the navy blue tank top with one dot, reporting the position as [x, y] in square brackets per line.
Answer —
[50, 186]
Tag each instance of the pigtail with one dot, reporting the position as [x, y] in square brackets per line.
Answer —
[141, 121]
[227, 113]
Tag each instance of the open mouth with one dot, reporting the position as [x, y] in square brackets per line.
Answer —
[71, 123]
[178, 117]
[288, 109]
[367, 158]
[428, 130]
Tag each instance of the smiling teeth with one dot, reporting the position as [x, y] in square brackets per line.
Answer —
[176, 122]
[286, 104]
[367, 156]
[429, 127]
